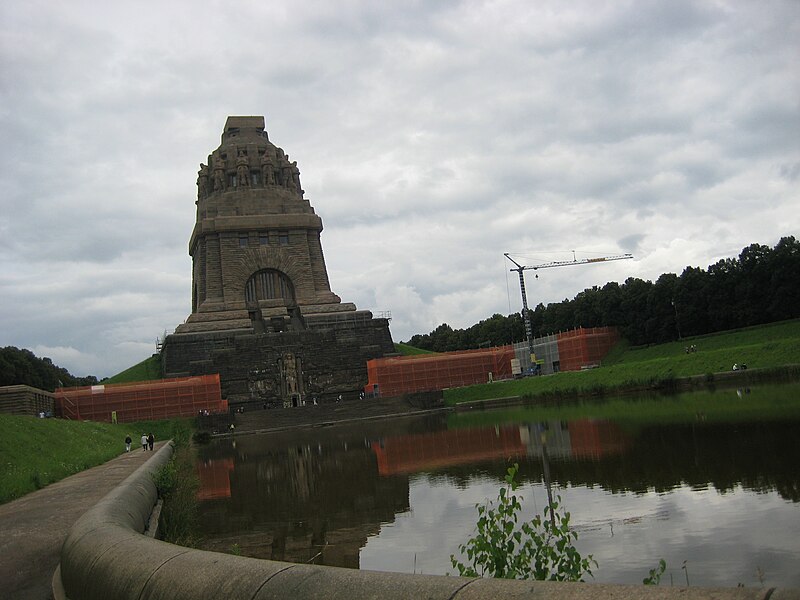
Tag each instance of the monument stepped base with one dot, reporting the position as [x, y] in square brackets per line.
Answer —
[324, 361]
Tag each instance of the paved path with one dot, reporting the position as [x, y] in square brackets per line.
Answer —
[33, 528]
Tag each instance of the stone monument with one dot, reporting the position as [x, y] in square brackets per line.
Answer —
[263, 313]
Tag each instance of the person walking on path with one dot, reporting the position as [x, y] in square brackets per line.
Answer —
[144, 441]
[128, 442]
[151, 440]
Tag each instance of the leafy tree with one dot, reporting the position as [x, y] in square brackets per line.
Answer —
[586, 307]
[719, 296]
[23, 367]
[660, 324]
[761, 285]
[609, 305]
[690, 304]
[539, 549]
[784, 284]
[634, 304]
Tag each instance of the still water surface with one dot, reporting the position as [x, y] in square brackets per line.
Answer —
[710, 482]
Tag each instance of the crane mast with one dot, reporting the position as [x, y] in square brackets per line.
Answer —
[520, 269]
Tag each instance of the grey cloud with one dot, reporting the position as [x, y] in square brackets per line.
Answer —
[430, 138]
[630, 243]
[790, 171]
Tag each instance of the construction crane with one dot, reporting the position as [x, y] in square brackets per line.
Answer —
[526, 318]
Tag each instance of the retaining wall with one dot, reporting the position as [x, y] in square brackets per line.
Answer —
[107, 556]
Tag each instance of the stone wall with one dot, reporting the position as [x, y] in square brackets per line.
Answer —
[25, 400]
[329, 361]
[106, 555]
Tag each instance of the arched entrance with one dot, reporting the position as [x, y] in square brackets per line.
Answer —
[262, 290]
[269, 284]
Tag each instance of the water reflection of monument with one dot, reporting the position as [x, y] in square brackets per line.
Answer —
[308, 503]
[320, 501]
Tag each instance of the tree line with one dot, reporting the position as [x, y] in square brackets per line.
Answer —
[761, 285]
[23, 367]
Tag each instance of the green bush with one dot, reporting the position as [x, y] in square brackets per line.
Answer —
[177, 483]
[165, 479]
[540, 549]
[655, 574]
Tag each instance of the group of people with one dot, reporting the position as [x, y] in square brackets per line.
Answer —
[147, 442]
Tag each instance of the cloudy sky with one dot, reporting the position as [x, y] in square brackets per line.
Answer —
[432, 137]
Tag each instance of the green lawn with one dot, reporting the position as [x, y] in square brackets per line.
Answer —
[36, 452]
[773, 345]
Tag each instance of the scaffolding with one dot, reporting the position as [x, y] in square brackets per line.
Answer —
[584, 348]
[142, 401]
[581, 348]
[397, 375]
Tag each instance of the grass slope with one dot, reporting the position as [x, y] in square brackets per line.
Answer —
[407, 350]
[147, 370]
[773, 345]
[37, 452]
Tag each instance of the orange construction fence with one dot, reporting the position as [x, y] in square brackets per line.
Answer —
[585, 347]
[427, 372]
[142, 401]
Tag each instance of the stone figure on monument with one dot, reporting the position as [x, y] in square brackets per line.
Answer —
[296, 177]
[281, 159]
[219, 175]
[286, 173]
[242, 171]
[202, 182]
[268, 169]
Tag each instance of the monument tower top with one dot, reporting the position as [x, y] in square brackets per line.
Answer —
[256, 250]
[243, 127]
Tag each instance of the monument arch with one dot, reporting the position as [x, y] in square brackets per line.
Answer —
[268, 285]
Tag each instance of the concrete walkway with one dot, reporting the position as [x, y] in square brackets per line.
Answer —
[34, 527]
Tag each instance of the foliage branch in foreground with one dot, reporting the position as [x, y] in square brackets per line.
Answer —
[541, 548]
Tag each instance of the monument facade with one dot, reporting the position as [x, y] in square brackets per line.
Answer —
[263, 313]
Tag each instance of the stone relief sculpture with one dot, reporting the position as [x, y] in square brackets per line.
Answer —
[286, 173]
[242, 171]
[279, 175]
[296, 177]
[268, 169]
[202, 182]
[219, 175]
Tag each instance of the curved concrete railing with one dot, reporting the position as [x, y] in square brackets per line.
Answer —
[106, 556]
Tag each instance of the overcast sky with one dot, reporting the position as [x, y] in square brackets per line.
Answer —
[431, 137]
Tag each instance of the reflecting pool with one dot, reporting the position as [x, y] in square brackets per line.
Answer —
[708, 481]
